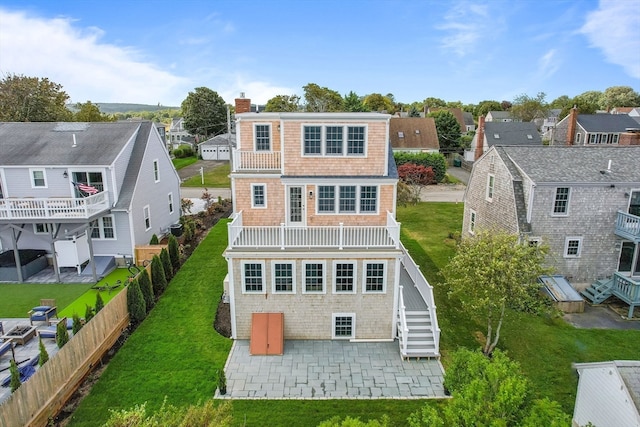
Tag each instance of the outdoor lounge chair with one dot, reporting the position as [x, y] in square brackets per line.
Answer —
[25, 369]
[5, 347]
[46, 311]
[52, 330]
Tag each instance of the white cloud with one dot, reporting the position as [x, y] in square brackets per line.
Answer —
[258, 91]
[86, 68]
[466, 24]
[548, 63]
[614, 28]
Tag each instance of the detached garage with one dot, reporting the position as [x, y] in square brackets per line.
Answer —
[218, 147]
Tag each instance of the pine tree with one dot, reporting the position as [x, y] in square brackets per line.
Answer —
[166, 264]
[99, 303]
[62, 335]
[88, 313]
[147, 289]
[44, 356]
[15, 376]
[77, 323]
[135, 302]
[154, 240]
[158, 279]
[174, 252]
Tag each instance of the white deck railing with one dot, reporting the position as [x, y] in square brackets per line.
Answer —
[404, 328]
[53, 208]
[339, 236]
[255, 160]
[628, 224]
[426, 290]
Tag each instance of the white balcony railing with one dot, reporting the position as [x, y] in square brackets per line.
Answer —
[628, 225]
[255, 160]
[339, 236]
[426, 290]
[53, 208]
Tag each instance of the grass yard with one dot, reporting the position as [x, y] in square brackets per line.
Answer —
[79, 305]
[183, 162]
[217, 177]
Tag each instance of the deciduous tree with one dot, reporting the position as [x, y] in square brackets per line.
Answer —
[619, 96]
[377, 102]
[353, 103]
[32, 99]
[434, 103]
[448, 130]
[283, 103]
[321, 99]
[416, 177]
[89, 112]
[485, 106]
[528, 108]
[204, 113]
[491, 271]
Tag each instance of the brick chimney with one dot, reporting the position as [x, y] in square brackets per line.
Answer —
[573, 122]
[243, 105]
[480, 138]
[630, 137]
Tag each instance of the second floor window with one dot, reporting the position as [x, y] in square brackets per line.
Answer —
[561, 203]
[156, 171]
[263, 137]
[351, 199]
[37, 178]
[259, 198]
[147, 217]
[334, 140]
[490, 187]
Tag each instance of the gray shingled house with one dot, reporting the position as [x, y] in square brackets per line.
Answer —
[79, 192]
[583, 202]
[595, 129]
[501, 134]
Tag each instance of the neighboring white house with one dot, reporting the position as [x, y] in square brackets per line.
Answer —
[178, 135]
[608, 394]
[85, 191]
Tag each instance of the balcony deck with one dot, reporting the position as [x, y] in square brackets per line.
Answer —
[628, 226]
[627, 289]
[339, 236]
[244, 161]
[54, 208]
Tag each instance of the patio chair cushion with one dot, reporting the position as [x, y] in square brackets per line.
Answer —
[41, 308]
[5, 347]
[48, 332]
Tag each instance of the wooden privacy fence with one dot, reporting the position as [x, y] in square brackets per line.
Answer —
[146, 252]
[47, 391]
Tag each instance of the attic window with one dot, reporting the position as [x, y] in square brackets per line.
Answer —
[496, 136]
[400, 134]
[529, 136]
[417, 131]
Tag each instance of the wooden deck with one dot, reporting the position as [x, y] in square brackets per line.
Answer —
[412, 299]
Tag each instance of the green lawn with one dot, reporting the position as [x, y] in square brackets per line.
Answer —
[16, 299]
[217, 177]
[182, 162]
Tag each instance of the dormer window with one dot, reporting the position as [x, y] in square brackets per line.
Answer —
[400, 134]
[529, 136]
[496, 136]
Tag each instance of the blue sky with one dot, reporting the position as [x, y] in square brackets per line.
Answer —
[157, 51]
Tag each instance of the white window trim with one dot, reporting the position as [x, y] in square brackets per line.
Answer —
[334, 316]
[336, 205]
[304, 277]
[101, 229]
[146, 213]
[473, 218]
[253, 205]
[553, 205]
[47, 228]
[273, 277]
[566, 246]
[345, 134]
[156, 171]
[355, 276]
[264, 283]
[255, 137]
[33, 179]
[384, 277]
[171, 203]
[491, 187]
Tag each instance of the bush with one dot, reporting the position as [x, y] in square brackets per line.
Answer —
[183, 151]
[147, 290]
[222, 382]
[88, 313]
[44, 356]
[434, 160]
[77, 323]
[62, 335]
[208, 414]
[166, 264]
[135, 303]
[154, 240]
[174, 252]
[15, 376]
[158, 279]
[99, 302]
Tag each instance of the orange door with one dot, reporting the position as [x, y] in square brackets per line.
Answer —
[267, 334]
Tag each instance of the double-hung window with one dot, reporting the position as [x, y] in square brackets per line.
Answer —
[283, 277]
[103, 228]
[347, 199]
[170, 203]
[156, 171]
[472, 221]
[43, 228]
[490, 186]
[344, 276]
[258, 196]
[313, 276]
[253, 277]
[572, 247]
[334, 140]
[38, 178]
[561, 202]
[147, 217]
[374, 277]
[263, 137]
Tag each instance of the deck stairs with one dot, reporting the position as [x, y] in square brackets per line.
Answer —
[104, 266]
[420, 339]
[599, 291]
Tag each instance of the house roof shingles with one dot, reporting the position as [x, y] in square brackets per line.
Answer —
[606, 122]
[51, 143]
[511, 133]
[419, 133]
[577, 164]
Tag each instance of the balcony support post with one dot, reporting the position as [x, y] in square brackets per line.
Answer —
[282, 230]
[341, 236]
